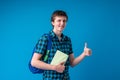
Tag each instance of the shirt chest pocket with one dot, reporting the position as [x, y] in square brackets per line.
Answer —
[65, 47]
[62, 46]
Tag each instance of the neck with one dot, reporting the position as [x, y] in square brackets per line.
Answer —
[58, 33]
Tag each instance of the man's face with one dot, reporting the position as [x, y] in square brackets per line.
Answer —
[59, 23]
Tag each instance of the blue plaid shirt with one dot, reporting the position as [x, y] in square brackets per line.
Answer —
[64, 45]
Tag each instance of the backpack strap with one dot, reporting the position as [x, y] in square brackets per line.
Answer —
[49, 46]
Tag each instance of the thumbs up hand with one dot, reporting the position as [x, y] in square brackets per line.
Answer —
[87, 51]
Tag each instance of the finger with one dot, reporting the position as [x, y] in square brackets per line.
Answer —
[85, 44]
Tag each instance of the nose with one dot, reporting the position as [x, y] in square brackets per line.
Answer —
[62, 23]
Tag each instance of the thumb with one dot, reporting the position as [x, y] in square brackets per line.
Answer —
[85, 45]
[62, 63]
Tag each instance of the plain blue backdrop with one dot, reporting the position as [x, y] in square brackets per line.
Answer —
[96, 22]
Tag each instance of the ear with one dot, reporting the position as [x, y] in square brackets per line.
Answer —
[52, 23]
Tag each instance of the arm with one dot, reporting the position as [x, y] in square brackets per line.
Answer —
[42, 65]
[75, 61]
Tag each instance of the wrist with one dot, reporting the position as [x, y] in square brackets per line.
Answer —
[53, 67]
[83, 54]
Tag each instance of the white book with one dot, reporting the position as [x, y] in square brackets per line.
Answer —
[59, 58]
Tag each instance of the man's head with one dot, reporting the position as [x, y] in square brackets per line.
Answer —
[58, 20]
[58, 13]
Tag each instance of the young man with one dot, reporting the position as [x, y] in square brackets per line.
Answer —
[59, 42]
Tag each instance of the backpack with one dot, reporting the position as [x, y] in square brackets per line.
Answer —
[35, 70]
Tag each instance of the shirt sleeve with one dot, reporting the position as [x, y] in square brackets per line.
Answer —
[41, 45]
[70, 44]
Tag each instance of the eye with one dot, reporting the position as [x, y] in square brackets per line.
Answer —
[64, 20]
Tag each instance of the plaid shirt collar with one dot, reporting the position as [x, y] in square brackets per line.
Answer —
[54, 35]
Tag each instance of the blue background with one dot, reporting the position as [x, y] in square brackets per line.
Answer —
[96, 22]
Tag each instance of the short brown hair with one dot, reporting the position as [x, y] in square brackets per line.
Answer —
[58, 13]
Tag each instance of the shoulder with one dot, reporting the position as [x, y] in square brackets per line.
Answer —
[44, 37]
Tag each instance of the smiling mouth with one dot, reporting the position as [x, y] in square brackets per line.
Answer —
[61, 26]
